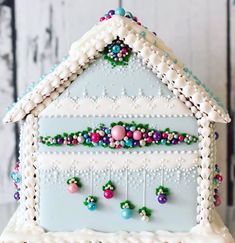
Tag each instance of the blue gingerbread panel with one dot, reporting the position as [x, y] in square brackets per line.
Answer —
[180, 206]
[102, 76]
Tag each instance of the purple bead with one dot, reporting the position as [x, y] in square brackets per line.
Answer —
[157, 136]
[174, 141]
[216, 135]
[69, 138]
[136, 143]
[162, 199]
[60, 140]
[111, 12]
[106, 140]
[17, 196]
[145, 135]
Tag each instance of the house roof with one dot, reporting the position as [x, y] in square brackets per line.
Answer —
[149, 47]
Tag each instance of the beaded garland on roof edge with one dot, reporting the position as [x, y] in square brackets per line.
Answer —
[120, 135]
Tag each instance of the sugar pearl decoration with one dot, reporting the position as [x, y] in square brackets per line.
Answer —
[118, 132]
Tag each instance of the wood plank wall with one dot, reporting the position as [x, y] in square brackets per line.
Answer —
[195, 29]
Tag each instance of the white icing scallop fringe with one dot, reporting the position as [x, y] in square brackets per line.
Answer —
[118, 160]
[17, 231]
[150, 49]
[123, 105]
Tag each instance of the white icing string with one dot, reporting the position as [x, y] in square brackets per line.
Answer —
[162, 175]
[144, 187]
[91, 174]
[126, 183]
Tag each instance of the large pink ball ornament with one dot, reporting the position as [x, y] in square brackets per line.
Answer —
[118, 132]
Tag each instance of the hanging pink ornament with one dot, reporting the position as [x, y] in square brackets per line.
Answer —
[95, 137]
[118, 132]
[137, 135]
[72, 188]
[217, 200]
[108, 194]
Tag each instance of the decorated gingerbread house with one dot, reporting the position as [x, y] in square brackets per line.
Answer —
[120, 136]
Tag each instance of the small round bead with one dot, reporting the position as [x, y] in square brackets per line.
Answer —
[120, 11]
[102, 19]
[111, 12]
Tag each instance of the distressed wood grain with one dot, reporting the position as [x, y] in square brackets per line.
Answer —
[196, 31]
[7, 136]
[46, 30]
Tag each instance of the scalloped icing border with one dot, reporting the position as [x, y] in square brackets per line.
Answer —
[117, 106]
[118, 160]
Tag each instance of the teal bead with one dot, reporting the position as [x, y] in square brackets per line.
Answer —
[129, 143]
[88, 141]
[92, 206]
[163, 141]
[126, 213]
[107, 131]
[132, 128]
[120, 11]
[116, 49]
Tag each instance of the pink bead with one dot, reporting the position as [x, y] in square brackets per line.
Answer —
[164, 135]
[137, 135]
[118, 132]
[72, 188]
[74, 141]
[108, 194]
[124, 50]
[102, 19]
[109, 17]
[95, 137]
[129, 134]
[149, 140]
[217, 200]
[220, 178]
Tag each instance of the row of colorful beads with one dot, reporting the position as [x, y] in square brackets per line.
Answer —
[16, 177]
[120, 12]
[120, 135]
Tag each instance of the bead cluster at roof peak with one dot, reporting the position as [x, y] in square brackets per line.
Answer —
[120, 12]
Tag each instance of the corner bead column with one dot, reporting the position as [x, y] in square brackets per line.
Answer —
[29, 170]
[205, 178]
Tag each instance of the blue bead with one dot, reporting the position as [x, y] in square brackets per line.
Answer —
[92, 206]
[86, 135]
[120, 11]
[126, 213]
[116, 49]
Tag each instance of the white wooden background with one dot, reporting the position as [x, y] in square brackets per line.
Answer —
[194, 29]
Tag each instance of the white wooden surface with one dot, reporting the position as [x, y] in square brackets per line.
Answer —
[194, 29]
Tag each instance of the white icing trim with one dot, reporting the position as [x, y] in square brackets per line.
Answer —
[205, 180]
[116, 106]
[29, 188]
[118, 160]
[150, 49]
[18, 231]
